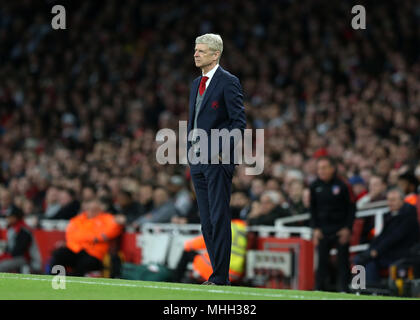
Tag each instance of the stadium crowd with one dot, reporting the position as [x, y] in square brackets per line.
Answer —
[80, 108]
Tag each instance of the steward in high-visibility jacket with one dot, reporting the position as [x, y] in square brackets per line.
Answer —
[88, 238]
[92, 234]
[201, 262]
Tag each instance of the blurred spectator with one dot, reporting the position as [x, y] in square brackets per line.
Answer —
[257, 188]
[69, 205]
[240, 204]
[332, 211]
[272, 184]
[268, 209]
[104, 194]
[358, 186]
[376, 191]
[296, 198]
[87, 240]
[128, 207]
[180, 195]
[28, 207]
[146, 197]
[52, 203]
[399, 234]
[20, 247]
[163, 209]
[7, 206]
[408, 183]
[192, 215]
[88, 193]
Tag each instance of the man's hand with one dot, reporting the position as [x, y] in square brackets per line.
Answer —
[120, 219]
[344, 235]
[317, 236]
[373, 253]
[255, 210]
[179, 220]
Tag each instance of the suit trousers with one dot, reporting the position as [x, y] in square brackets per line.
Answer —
[213, 185]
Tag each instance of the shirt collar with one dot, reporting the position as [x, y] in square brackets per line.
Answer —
[211, 73]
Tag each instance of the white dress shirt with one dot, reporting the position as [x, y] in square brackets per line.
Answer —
[210, 74]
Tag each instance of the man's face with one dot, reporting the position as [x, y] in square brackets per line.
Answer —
[203, 56]
[403, 185]
[65, 198]
[88, 194]
[11, 220]
[395, 202]
[52, 195]
[94, 207]
[159, 197]
[145, 194]
[296, 189]
[6, 199]
[257, 187]
[325, 170]
[123, 199]
[358, 188]
[266, 204]
[238, 199]
[376, 186]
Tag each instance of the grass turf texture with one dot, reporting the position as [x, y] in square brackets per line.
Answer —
[39, 287]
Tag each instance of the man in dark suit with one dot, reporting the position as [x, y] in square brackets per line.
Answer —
[399, 234]
[216, 102]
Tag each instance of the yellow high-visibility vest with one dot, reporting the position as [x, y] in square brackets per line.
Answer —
[239, 244]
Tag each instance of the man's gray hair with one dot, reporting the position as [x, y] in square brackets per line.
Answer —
[274, 196]
[397, 190]
[214, 41]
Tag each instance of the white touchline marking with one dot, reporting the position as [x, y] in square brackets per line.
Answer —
[279, 295]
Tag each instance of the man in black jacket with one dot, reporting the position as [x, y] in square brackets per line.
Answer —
[399, 234]
[332, 210]
[20, 248]
[70, 206]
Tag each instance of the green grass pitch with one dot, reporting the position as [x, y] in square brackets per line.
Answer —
[39, 287]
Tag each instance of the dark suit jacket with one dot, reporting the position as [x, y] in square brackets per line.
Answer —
[399, 234]
[222, 108]
[67, 212]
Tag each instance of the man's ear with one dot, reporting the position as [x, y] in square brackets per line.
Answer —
[217, 55]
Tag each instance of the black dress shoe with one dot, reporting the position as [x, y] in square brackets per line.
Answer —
[208, 283]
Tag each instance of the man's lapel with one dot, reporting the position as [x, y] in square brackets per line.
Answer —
[210, 88]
